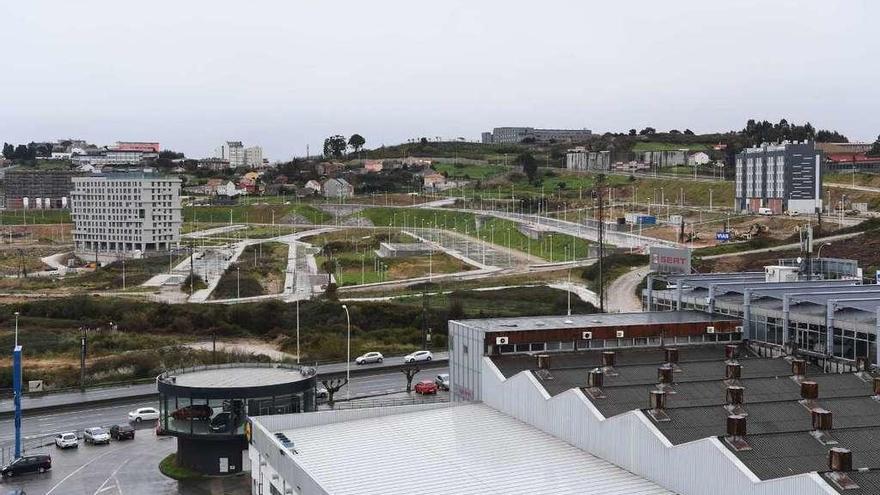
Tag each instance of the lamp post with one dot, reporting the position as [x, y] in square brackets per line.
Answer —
[238, 282]
[297, 331]
[818, 251]
[16, 389]
[347, 353]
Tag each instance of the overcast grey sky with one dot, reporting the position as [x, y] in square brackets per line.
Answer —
[282, 74]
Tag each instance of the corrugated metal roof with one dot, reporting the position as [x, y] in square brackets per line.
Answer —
[595, 320]
[470, 449]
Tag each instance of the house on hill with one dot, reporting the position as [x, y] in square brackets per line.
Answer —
[337, 188]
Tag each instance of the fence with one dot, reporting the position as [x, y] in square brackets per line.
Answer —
[385, 402]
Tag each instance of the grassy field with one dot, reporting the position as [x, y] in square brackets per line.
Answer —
[253, 213]
[493, 230]
[259, 270]
[33, 216]
[462, 171]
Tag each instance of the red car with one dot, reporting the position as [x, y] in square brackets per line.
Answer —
[426, 387]
[195, 411]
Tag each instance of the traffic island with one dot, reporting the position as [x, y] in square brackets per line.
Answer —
[169, 467]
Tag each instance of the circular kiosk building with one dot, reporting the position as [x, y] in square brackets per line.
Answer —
[206, 408]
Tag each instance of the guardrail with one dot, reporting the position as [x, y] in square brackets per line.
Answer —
[398, 401]
[6, 393]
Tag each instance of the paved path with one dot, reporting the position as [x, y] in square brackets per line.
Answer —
[621, 292]
[853, 187]
[784, 247]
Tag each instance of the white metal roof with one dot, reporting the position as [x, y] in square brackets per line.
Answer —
[470, 449]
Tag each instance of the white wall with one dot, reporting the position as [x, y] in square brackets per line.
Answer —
[631, 441]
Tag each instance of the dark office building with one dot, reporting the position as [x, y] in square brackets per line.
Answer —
[786, 176]
[38, 188]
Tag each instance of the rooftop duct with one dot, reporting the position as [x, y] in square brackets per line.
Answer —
[821, 426]
[657, 406]
[736, 432]
[595, 381]
[840, 463]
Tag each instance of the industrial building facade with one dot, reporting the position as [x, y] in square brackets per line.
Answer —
[38, 188]
[781, 177]
[125, 212]
[582, 159]
[513, 135]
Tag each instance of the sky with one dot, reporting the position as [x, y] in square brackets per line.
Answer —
[286, 74]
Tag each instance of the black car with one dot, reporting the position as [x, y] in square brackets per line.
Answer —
[36, 463]
[122, 432]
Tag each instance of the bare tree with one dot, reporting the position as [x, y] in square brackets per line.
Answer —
[410, 372]
[333, 385]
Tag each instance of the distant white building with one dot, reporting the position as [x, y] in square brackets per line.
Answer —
[698, 158]
[314, 186]
[337, 188]
[238, 156]
[125, 212]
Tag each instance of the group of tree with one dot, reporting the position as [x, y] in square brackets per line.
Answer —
[875, 149]
[764, 131]
[22, 152]
[529, 165]
[335, 146]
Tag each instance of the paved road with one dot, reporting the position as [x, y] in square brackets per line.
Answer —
[621, 294]
[784, 247]
[853, 187]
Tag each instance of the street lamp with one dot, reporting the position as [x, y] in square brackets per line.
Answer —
[818, 252]
[238, 282]
[348, 354]
[16, 329]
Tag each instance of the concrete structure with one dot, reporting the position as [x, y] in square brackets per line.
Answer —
[698, 158]
[664, 158]
[513, 135]
[848, 148]
[337, 188]
[782, 177]
[146, 147]
[314, 186]
[582, 159]
[207, 408]
[403, 250]
[238, 156]
[214, 164]
[113, 157]
[434, 182]
[115, 214]
[26, 188]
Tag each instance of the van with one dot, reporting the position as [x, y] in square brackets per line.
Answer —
[765, 211]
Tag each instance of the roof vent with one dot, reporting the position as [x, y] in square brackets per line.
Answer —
[609, 358]
[821, 429]
[543, 361]
[736, 433]
[809, 394]
[731, 352]
[672, 358]
[840, 462]
[733, 371]
[657, 406]
[798, 369]
[595, 381]
[876, 383]
[734, 400]
[863, 367]
[665, 379]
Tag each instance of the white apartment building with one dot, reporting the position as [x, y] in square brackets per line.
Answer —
[125, 214]
[239, 156]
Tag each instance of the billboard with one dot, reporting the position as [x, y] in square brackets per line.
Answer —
[670, 260]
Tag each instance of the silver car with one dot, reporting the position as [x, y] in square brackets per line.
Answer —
[370, 357]
[418, 356]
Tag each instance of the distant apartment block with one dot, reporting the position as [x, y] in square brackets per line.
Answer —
[38, 188]
[238, 156]
[513, 135]
[786, 176]
[125, 214]
[581, 158]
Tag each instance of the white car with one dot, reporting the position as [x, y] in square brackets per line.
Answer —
[370, 357]
[442, 381]
[321, 392]
[143, 414]
[418, 356]
[96, 435]
[66, 440]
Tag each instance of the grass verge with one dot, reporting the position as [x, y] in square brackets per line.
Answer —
[169, 467]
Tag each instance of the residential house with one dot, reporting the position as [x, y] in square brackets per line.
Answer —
[337, 188]
[372, 166]
[329, 169]
[434, 182]
[314, 186]
[698, 158]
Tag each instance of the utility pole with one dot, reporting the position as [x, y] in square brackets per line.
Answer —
[600, 184]
[82, 358]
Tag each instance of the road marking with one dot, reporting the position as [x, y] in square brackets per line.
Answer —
[78, 470]
[112, 475]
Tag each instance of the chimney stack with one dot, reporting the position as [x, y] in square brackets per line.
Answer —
[543, 361]
[735, 395]
[595, 378]
[658, 400]
[821, 419]
[672, 355]
[736, 425]
[731, 352]
[809, 390]
[839, 459]
[798, 367]
[664, 374]
[608, 358]
[733, 371]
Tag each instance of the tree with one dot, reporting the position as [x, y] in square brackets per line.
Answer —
[356, 141]
[875, 150]
[528, 164]
[333, 385]
[423, 140]
[688, 132]
[826, 136]
[410, 371]
[633, 132]
[335, 146]
[22, 152]
[648, 131]
[8, 151]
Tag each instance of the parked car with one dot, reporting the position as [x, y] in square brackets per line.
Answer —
[143, 414]
[36, 463]
[442, 381]
[370, 357]
[122, 432]
[418, 356]
[222, 422]
[96, 435]
[195, 411]
[66, 440]
[425, 387]
[321, 392]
